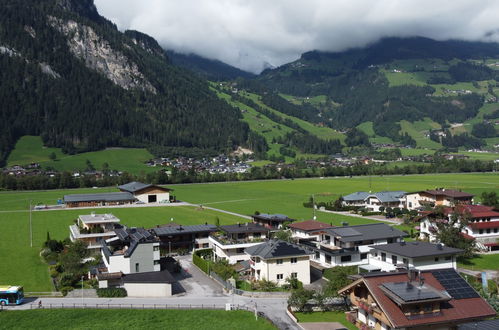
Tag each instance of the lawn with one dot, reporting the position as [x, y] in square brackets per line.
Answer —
[27, 268]
[481, 262]
[416, 131]
[131, 319]
[325, 317]
[30, 149]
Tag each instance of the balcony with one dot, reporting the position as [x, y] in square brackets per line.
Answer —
[230, 243]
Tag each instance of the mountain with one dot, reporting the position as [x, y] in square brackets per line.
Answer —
[210, 69]
[71, 77]
[389, 84]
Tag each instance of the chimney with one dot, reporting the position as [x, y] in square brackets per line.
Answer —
[421, 279]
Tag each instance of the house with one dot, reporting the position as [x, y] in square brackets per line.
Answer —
[350, 245]
[432, 299]
[175, 237]
[310, 229]
[410, 255]
[147, 193]
[230, 241]
[276, 260]
[436, 197]
[482, 224]
[373, 201]
[133, 250]
[92, 228]
[271, 221]
[99, 199]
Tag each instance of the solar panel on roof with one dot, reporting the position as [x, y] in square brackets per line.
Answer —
[408, 292]
[455, 285]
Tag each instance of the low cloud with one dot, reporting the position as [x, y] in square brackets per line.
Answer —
[256, 33]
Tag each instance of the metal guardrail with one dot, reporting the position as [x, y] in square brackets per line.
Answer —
[135, 306]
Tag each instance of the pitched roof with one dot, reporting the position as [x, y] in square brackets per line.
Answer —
[383, 196]
[180, 230]
[456, 310]
[137, 186]
[273, 217]
[365, 232]
[449, 193]
[356, 196]
[163, 276]
[475, 211]
[416, 249]
[484, 225]
[276, 249]
[309, 225]
[105, 197]
[481, 325]
[247, 227]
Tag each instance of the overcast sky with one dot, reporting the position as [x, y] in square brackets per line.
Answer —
[250, 33]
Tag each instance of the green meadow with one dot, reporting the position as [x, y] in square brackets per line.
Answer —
[131, 319]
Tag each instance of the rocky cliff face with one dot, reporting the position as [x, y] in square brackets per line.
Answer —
[98, 55]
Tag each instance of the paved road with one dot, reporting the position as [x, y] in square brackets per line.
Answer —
[395, 222]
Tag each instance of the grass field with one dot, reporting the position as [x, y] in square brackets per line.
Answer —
[280, 196]
[482, 261]
[325, 317]
[367, 127]
[30, 149]
[416, 131]
[131, 319]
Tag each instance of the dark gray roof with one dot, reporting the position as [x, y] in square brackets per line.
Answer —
[273, 217]
[383, 196]
[480, 325]
[133, 237]
[179, 230]
[365, 232]
[105, 197]
[134, 186]
[416, 249]
[356, 196]
[163, 276]
[276, 249]
[248, 227]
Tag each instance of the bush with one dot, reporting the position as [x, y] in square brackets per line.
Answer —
[65, 289]
[299, 299]
[111, 292]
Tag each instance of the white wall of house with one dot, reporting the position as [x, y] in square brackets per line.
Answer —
[233, 253]
[422, 263]
[159, 197]
[146, 255]
[148, 289]
[276, 271]
[297, 233]
[412, 201]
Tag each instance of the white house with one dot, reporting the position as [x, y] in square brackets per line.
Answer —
[147, 193]
[350, 245]
[482, 224]
[411, 255]
[231, 241]
[310, 229]
[436, 197]
[131, 251]
[277, 260]
[373, 201]
[93, 228]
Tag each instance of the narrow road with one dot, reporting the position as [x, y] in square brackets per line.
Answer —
[395, 222]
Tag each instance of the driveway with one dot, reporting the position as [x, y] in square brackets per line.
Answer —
[195, 283]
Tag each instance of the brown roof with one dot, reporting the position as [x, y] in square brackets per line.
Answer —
[449, 193]
[459, 310]
[310, 225]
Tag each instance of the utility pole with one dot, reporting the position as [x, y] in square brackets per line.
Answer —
[313, 205]
[30, 226]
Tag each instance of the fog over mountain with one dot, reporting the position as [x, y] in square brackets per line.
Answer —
[254, 34]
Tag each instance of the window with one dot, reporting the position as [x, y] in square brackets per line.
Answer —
[383, 256]
[280, 276]
[495, 230]
[480, 231]
[294, 275]
[394, 259]
[488, 231]
[257, 235]
[346, 258]
[448, 258]
[294, 260]
[328, 259]
[240, 250]
[206, 245]
[279, 261]
[317, 255]
[363, 256]
[404, 260]
[137, 268]
[436, 259]
[156, 262]
[155, 248]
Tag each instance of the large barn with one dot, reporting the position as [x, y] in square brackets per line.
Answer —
[147, 193]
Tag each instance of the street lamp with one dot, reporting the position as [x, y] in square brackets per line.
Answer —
[82, 290]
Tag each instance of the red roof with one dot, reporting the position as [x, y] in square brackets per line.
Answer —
[467, 236]
[460, 310]
[475, 211]
[309, 225]
[449, 193]
[484, 225]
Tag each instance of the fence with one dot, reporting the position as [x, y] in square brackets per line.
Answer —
[137, 306]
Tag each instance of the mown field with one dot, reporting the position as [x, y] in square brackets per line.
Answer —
[280, 196]
[131, 319]
[30, 149]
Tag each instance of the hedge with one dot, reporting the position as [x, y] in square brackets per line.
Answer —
[111, 292]
[198, 260]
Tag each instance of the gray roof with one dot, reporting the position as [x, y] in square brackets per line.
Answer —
[179, 229]
[365, 232]
[416, 249]
[134, 186]
[480, 325]
[163, 276]
[100, 197]
[383, 196]
[276, 249]
[273, 217]
[248, 227]
[133, 236]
